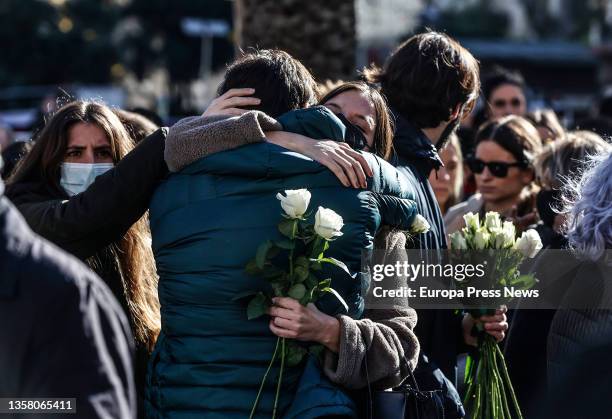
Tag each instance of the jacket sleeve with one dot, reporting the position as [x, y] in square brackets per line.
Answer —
[383, 342]
[395, 212]
[192, 138]
[88, 346]
[380, 347]
[91, 220]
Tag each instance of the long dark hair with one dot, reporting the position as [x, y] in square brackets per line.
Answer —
[133, 252]
[383, 132]
[44, 161]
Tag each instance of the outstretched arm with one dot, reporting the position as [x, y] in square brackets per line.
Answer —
[224, 125]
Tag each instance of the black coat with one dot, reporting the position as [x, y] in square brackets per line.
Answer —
[62, 333]
[86, 225]
[439, 331]
[526, 343]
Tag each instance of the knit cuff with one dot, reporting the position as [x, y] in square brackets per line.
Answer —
[340, 367]
[258, 123]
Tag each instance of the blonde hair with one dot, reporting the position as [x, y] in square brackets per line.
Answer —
[562, 160]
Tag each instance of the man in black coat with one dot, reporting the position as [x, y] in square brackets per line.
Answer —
[431, 82]
[62, 333]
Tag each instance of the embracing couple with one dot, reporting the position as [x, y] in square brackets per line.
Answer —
[209, 217]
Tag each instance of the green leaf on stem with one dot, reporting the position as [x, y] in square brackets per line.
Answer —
[311, 282]
[337, 263]
[262, 252]
[306, 298]
[338, 296]
[251, 268]
[244, 294]
[297, 291]
[278, 287]
[285, 244]
[257, 306]
[294, 355]
[302, 261]
[300, 273]
[526, 281]
[325, 283]
[273, 252]
[315, 265]
[286, 228]
[271, 272]
[319, 246]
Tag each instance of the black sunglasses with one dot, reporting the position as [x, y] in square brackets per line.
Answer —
[501, 103]
[497, 168]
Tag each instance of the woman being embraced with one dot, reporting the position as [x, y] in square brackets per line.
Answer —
[198, 275]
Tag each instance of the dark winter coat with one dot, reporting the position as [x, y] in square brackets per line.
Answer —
[86, 225]
[439, 331]
[62, 333]
[207, 222]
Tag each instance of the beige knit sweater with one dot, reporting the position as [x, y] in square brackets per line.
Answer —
[384, 338]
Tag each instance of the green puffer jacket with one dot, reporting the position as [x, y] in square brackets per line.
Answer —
[207, 222]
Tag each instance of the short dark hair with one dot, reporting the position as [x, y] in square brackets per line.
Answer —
[500, 76]
[281, 82]
[427, 77]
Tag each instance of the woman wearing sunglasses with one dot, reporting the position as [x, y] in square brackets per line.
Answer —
[502, 166]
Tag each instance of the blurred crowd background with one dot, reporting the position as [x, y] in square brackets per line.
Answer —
[548, 61]
[168, 56]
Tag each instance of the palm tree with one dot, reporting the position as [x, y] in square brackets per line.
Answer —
[320, 33]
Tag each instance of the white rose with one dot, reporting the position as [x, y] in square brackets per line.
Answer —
[481, 238]
[529, 244]
[472, 221]
[492, 220]
[458, 242]
[328, 223]
[419, 225]
[509, 229]
[295, 202]
[497, 237]
[509, 234]
[503, 237]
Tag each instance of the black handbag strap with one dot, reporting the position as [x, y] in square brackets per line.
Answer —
[410, 376]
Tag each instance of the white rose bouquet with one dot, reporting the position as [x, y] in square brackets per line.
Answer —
[304, 244]
[489, 390]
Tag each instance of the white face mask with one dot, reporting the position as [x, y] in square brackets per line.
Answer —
[76, 177]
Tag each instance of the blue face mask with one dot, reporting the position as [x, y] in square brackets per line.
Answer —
[76, 177]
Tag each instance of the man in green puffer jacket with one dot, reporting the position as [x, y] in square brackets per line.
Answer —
[207, 222]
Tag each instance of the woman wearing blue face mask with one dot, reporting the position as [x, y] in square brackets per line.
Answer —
[76, 189]
[102, 226]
